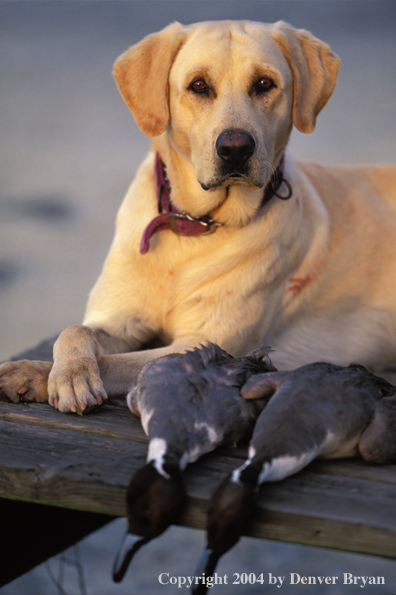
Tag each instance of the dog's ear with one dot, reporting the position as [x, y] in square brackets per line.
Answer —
[142, 74]
[315, 69]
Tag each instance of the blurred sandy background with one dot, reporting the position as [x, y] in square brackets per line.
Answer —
[69, 148]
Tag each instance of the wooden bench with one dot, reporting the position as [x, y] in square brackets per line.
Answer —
[85, 464]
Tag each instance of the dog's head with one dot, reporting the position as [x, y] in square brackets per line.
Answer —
[227, 94]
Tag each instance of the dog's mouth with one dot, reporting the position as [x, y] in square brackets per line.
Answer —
[232, 179]
[236, 176]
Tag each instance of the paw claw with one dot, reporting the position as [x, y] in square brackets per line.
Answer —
[76, 387]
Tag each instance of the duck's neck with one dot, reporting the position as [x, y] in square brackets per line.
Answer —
[164, 459]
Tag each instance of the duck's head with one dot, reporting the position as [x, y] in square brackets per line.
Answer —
[153, 504]
[230, 509]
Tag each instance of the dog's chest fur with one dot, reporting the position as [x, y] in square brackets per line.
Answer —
[280, 280]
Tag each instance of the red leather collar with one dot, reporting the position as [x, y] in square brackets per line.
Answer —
[169, 216]
[181, 223]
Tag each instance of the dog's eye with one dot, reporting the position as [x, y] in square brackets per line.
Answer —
[264, 84]
[199, 86]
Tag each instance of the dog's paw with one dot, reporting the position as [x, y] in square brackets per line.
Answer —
[25, 380]
[76, 387]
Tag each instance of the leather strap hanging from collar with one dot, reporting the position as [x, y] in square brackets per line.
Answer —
[182, 223]
[275, 183]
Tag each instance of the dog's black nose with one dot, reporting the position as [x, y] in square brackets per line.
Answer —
[235, 146]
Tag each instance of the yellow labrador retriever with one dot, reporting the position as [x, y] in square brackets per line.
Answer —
[222, 236]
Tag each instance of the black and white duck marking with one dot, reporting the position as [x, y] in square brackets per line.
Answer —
[189, 404]
[318, 410]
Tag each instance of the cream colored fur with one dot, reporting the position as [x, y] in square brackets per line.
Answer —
[314, 276]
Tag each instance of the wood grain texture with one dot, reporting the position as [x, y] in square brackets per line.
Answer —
[85, 463]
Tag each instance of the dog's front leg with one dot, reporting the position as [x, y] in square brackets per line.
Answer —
[74, 382]
[118, 370]
[85, 371]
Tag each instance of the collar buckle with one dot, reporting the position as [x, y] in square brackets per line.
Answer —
[205, 225]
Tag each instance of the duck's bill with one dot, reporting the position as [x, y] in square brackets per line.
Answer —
[205, 569]
[129, 546]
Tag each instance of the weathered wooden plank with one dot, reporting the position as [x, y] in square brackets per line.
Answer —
[111, 420]
[74, 469]
[356, 467]
[316, 509]
[85, 463]
[335, 511]
[114, 420]
[322, 532]
[66, 468]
